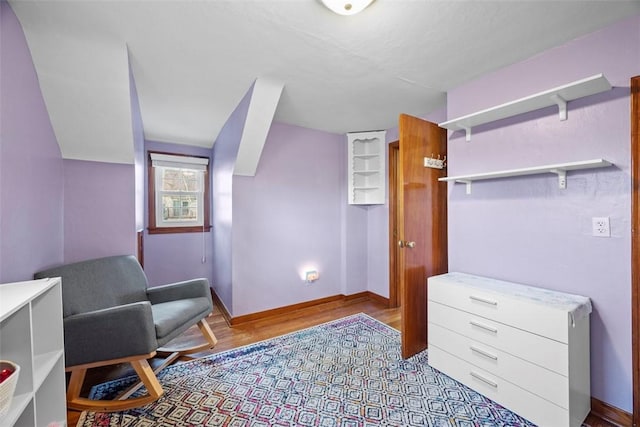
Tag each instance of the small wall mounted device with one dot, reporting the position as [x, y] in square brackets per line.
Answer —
[311, 276]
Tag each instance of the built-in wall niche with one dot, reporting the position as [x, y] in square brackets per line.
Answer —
[367, 167]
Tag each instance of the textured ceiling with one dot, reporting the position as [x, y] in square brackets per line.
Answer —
[193, 61]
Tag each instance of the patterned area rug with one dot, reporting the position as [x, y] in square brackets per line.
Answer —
[344, 373]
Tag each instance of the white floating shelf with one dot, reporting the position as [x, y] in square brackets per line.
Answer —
[365, 156]
[556, 96]
[558, 169]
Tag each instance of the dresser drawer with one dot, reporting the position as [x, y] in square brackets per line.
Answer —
[545, 352]
[524, 314]
[540, 381]
[520, 401]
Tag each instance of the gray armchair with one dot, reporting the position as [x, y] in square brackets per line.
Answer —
[110, 316]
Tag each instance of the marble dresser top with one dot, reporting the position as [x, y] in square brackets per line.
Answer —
[575, 305]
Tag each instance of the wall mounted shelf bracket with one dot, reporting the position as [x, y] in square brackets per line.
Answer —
[562, 106]
[558, 169]
[467, 132]
[468, 184]
[562, 177]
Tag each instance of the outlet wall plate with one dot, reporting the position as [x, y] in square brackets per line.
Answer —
[600, 227]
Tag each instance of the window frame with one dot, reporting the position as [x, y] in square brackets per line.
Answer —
[153, 227]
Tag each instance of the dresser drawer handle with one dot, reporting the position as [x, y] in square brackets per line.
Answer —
[485, 327]
[484, 300]
[484, 353]
[483, 379]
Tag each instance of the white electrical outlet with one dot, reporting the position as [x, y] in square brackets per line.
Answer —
[600, 226]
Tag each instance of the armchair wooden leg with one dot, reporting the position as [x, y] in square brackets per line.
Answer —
[209, 337]
[171, 355]
[144, 371]
[148, 377]
[75, 384]
[166, 362]
[207, 332]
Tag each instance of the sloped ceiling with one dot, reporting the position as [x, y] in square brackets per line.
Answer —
[194, 60]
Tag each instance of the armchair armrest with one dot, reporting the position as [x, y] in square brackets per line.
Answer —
[110, 333]
[196, 288]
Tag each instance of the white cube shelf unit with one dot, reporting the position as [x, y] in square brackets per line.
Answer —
[31, 335]
[367, 167]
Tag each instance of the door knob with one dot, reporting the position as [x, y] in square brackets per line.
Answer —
[410, 244]
[401, 243]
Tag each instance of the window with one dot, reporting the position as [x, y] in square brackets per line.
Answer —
[178, 193]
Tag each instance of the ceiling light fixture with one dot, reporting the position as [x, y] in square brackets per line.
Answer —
[346, 7]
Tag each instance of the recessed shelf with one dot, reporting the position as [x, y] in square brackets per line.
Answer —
[559, 169]
[557, 96]
[369, 172]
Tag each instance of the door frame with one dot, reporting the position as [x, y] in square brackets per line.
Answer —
[394, 211]
[635, 244]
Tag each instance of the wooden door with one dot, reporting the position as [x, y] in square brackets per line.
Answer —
[422, 200]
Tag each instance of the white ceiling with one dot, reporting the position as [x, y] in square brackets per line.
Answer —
[193, 61]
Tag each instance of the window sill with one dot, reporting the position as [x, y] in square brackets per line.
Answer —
[173, 230]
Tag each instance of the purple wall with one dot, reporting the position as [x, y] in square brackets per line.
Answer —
[31, 177]
[353, 225]
[225, 151]
[170, 258]
[99, 210]
[377, 247]
[288, 217]
[526, 229]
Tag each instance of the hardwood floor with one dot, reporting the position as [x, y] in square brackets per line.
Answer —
[259, 330]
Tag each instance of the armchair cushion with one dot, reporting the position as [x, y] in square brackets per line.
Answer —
[174, 317]
[99, 283]
[109, 333]
[178, 306]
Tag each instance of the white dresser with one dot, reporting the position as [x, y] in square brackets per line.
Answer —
[526, 348]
